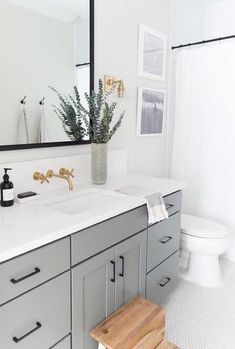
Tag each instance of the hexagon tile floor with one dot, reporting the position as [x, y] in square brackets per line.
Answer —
[203, 318]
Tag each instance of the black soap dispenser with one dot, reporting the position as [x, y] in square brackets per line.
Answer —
[7, 190]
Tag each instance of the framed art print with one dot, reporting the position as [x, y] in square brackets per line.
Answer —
[151, 111]
[152, 53]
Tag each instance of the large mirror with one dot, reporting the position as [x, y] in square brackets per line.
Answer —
[46, 46]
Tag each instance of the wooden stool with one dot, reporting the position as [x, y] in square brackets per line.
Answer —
[139, 324]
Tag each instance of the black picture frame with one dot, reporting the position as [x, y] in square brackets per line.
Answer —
[92, 80]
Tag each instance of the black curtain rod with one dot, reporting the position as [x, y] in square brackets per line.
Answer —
[82, 64]
[203, 42]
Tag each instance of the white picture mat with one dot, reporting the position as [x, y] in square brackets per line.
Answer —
[139, 111]
[143, 31]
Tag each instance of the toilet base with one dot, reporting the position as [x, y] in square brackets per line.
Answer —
[230, 254]
[203, 270]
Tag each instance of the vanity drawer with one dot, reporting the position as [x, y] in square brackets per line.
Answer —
[99, 237]
[64, 344]
[39, 318]
[31, 269]
[163, 240]
[163, 279]
[173, 202]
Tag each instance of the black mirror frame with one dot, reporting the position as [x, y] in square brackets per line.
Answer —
[92, 79]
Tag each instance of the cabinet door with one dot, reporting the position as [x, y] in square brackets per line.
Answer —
[93, 296]
[39, 318]
[64, 344]
[131, 268]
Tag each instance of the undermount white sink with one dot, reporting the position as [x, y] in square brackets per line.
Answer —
[93, 200]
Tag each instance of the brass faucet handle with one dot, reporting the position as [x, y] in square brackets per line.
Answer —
[65, 172]
[37, 176]
[62, 171]
[44, 179]
[50, 174]
[71, 173]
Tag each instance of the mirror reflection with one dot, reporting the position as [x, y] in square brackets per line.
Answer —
[44, 43]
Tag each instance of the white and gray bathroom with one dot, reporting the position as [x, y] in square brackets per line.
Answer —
[117, 215]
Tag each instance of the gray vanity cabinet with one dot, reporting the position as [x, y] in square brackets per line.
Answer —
[131, 268]
[163, 240]
[39, 318]
[29, 270]
[103, 283]
[76, 282]
[163, 252]
[163, 279]
[64, 344]
[93, 296]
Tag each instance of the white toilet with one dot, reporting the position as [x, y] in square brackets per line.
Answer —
[204, 241]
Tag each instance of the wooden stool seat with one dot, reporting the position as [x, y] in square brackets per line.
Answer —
[139, 324]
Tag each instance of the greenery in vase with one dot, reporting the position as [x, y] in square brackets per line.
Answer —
[94, 120]
[72, 123]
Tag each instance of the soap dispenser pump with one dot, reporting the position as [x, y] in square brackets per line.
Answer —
[7, 190]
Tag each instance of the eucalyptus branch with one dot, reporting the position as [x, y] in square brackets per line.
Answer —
[94, 121]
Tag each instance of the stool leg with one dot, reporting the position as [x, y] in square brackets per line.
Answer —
[101, 346]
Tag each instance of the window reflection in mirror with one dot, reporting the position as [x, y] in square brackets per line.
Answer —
[43, 43]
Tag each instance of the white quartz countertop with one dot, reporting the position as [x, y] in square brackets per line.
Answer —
[29, 225]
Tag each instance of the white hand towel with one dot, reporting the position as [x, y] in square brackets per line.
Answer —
[43, 136]
[156, 208]
[23, 132]
[155, 203]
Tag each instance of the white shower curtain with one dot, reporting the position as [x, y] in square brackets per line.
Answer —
[203, 151]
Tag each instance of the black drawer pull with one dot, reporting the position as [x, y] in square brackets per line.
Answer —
[113, 279]
[36, 271]
[168, 206]
[17, 340]
[164, 282]
[166, 239]
[123, 266]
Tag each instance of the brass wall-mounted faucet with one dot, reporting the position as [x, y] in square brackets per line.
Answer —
[63, 174]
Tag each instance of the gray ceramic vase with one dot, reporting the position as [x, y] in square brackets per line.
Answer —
[99, 157]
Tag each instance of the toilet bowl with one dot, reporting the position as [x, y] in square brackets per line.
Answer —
[204, 241]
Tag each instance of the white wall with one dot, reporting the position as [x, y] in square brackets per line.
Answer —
[219, 18]
[196, 20]
[116, 53]
[36, 51]
[188, 21]
[117, 166]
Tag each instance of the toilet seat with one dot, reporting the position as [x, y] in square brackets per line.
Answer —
[202, 228]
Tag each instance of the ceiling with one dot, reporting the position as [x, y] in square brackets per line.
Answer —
[65, 10]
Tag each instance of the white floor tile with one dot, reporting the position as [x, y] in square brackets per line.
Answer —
[203, 318]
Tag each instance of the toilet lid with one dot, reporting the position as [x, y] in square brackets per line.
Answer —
[201, 227]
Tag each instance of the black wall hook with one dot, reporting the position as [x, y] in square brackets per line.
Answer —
[42, 102]
[23, 101]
